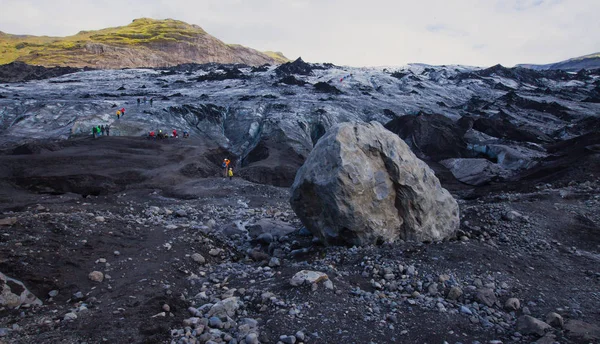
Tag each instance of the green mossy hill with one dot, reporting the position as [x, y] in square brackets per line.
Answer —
[144, 31]
[277, 56]
[143, 43]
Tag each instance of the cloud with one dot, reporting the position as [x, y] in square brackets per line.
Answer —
[349, 32]
[443, 29]
[521, 5]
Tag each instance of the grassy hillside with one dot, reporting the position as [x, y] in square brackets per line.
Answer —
[277, 56]
[141, 38]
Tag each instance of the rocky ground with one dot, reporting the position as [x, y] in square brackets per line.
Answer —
[127, 240]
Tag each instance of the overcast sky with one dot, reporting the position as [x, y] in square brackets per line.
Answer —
[348, 32]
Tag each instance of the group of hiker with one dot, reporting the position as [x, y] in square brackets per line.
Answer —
[120, 112]
[101, 130]
[163, 135]
[145, 100]
[228, 168]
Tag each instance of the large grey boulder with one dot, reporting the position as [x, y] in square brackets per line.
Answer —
[362, 185]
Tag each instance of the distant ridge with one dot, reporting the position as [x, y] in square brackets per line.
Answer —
[591, 61]
[143, 43]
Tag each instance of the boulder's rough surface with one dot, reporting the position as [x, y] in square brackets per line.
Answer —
[14, 294]
[362, 185]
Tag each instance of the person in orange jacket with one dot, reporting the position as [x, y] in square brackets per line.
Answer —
[226, 163]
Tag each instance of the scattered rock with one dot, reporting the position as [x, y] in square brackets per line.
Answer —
[266, 230]
[512, 304]
[465, 310]
[549, 338]
[555, 320]
[96, 276]
[584, 330]
[328, 284]
[13, 293]
[454, 293]
[529, 325]
[198, 258]
[308, 277]
[70, 316]
[432, 289]
[287, 339]
[265, 238]
[487, 296]
[258, 255]
[215, 322]
[9, 221]
[252, 338]
[224, 308]
[274, 262]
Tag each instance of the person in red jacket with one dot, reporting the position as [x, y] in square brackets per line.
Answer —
[122, 111]
[175, 133]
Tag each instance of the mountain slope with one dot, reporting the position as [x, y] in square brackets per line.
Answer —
[591, 61]
[143, 43]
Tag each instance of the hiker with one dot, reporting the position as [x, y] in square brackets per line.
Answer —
[152, 135]
[122, 111]
[94, 132]
[151, 101]
[102, 129]
[144, 100]
[160, 134]
[118, 114]
[138, 101]
[107, 128]
[230, 173]
[175, 133]
[226, 163]
[186, 134]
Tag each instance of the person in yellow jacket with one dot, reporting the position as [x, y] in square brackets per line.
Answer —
[230, 173]
[118, 114]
